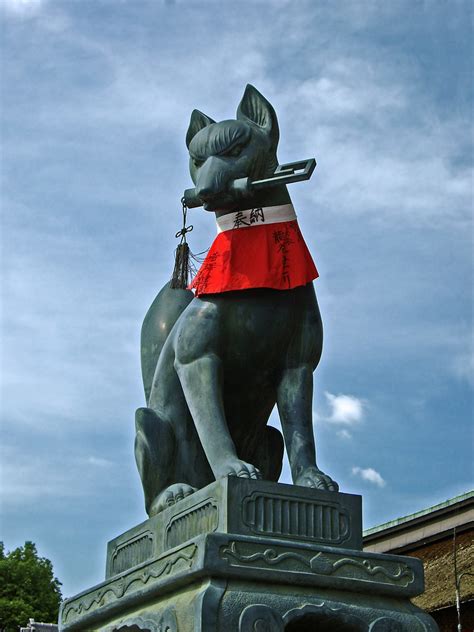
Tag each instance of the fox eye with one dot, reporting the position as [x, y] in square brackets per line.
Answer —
[196, 162]
[235, 151]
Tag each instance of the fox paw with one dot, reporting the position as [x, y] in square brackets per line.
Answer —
[239, 468]
[313, 477]
[170, 496]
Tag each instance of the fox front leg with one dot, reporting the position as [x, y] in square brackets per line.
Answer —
[198, 366]
[294, 399]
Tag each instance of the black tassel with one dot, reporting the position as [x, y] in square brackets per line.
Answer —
[182, 269]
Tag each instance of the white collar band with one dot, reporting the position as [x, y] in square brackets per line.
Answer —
[252, 217]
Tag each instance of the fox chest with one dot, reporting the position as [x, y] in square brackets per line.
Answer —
[258, 338]
[251, 330]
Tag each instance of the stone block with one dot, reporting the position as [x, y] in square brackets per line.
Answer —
[243, 507]
[251, 556]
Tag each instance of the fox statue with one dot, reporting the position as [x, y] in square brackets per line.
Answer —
[215, 362]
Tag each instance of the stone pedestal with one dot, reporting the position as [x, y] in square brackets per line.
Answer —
[243, 555]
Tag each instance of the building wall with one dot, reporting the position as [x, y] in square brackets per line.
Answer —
[438, 562]
[439, 598]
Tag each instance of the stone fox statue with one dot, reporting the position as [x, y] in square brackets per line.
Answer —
[215, 364]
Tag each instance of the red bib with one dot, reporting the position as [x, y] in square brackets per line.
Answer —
[261, 247]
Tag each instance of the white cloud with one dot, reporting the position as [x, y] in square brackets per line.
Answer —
[379, 157]
[47, 474]
[22, 7]
[463, 366]
[344, 409]
[370, 475]
[344, 434]
[348, 87]
[98, 462]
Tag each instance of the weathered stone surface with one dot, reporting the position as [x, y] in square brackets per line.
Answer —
[222, 550]
[214, 365]
[244, 507]
[259, 560]
[243, 555]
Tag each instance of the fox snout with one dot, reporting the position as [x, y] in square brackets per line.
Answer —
[213, 178]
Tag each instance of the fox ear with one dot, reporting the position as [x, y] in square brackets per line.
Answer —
[198, 122]
[254, 108]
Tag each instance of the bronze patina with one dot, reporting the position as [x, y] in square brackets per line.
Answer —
[215, 366]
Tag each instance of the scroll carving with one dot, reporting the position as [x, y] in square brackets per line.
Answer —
[260, 618]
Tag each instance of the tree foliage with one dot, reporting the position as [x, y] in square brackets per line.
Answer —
[28, 588]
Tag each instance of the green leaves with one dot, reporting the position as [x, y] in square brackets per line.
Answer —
[28, 588]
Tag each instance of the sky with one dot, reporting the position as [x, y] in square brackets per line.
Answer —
[96, 98]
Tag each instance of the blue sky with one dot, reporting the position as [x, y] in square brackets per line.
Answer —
[95, 105]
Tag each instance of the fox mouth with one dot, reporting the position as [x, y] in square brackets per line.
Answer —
[219, 202]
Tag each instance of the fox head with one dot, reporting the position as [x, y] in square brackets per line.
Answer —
[220, 153]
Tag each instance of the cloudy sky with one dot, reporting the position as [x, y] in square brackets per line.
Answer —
[96, 99]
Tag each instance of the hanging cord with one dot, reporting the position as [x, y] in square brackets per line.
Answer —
[198, 257]
[184, 269]
[186, 229]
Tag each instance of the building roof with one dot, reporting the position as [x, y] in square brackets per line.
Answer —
[424, 525]
[429, 535]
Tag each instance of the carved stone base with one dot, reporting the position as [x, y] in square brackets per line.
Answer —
[251, 556]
